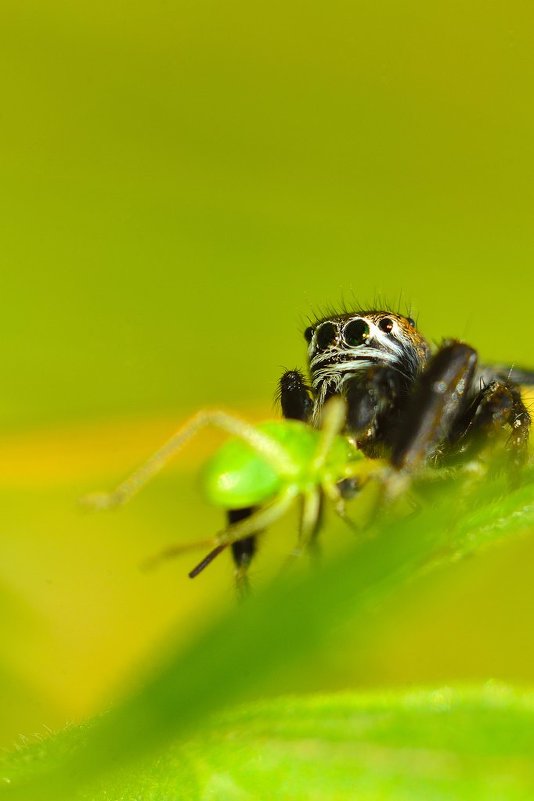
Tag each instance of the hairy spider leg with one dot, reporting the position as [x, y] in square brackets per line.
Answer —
[295, 396]
[262, 443]
[333, 421]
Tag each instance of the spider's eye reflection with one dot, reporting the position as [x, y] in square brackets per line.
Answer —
[326, 335]
[308, 334]
[386, 325]
[355, 333]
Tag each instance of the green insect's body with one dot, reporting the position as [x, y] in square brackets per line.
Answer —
[238, 476]
[261, 470]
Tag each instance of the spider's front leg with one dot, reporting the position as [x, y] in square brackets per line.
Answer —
[295, 396]
[439, 398]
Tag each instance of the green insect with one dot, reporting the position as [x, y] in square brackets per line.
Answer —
[263, 467]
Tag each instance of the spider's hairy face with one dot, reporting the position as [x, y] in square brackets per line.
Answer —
[343, 345]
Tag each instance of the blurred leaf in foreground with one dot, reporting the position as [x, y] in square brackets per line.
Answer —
[284, 624]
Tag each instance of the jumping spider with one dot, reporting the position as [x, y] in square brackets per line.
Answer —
[405, 402]
[375, 389]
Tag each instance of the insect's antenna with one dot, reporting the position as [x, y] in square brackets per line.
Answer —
[262, 443]
[334, 417]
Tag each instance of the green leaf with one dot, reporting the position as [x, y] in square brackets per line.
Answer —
[283, 625]
[444, 744]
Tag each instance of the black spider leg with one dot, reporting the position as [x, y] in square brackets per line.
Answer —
[497, 405]
[439, 398]
[295, 396]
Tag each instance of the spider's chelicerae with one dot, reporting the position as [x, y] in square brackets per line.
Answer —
[406, 402]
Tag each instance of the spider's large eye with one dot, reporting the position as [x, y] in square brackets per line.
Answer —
[308, 334]
[386, 325]
[355, 333]
[326, 335]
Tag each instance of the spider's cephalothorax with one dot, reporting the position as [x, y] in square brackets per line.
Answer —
[405, 402]
[344, 346]
[381, 351]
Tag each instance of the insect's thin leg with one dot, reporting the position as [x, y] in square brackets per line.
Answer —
[335, 496]
[313, 538]
[310, 518]
[312, 507]
[333, 421]
[358, 473]
[207, 560]
[295, 396]
[259, 520]
[311, 511]
[438, 400]
[271, 450]
[234, 533]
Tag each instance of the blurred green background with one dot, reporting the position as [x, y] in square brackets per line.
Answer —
[182, 185]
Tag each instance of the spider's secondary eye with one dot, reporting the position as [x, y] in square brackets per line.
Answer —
[308, 334]
[326, 335]
[411, 321]
[355, 333]
[386, 325]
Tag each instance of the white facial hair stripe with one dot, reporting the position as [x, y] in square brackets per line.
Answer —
[337, 373]
[358, 354]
